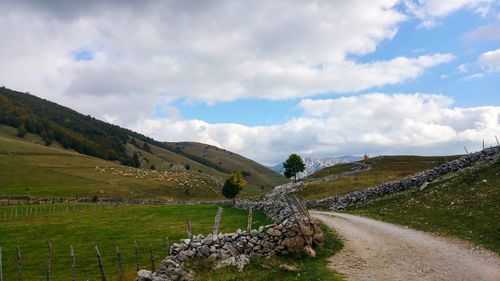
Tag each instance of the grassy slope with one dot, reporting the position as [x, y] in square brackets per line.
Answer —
[108, 227]
[385, 169]
[259, 175]
[310, 269]
[334, 170]
[107, 141]
[28, 168]
[463, 206]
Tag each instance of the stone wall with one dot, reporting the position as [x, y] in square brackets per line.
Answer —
[21, 199]
[418, 180]
[292, 232]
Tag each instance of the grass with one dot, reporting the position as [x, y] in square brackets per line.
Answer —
[107, 228]
[384, 169]
[309, 268]
[334, 170]
[465, 206]
[29, 168]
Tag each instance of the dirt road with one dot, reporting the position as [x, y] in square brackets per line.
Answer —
[376, 250]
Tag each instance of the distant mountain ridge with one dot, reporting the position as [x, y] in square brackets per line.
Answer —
[315, 164]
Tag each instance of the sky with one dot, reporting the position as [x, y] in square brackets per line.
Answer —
[268, 78]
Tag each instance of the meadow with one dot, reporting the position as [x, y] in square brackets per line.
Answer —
[29, 168]
[465, 206]
[384, 169]
[86, 225]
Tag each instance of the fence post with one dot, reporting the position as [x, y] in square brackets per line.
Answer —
[167, 246]
[498, 143]
[1, 268]
[119, 256]
[136, 255]
[216, 224]
[189, 232]
[249, 224]
[152, 257]
[19, 264]
[49, 256]
[73, 263]
[99, 260]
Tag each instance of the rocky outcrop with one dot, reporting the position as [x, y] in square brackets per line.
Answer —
[292, 232]
[419, 180]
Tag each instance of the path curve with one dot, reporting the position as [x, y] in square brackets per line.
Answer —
[375, 250]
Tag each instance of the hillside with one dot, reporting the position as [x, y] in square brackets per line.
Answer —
[464, 205]
[225, 161]
[378, 170]
[27, 167]
[56, 124]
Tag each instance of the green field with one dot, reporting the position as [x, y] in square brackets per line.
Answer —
[309, 269]
[384, 169]
[106, 227]
[465, 206]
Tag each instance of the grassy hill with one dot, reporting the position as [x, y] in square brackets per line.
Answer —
[62, 127]
[383, 169]
[29, 168]
[255, 173]
[464, 206]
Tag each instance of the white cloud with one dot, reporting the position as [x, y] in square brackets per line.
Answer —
[462, 68]
[372, 123]
[490, 60]
[431, 10]
[206, 51]
[484, 32]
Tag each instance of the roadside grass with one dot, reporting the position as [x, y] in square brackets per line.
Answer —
[384, 169]
[107, 227]
[466, 206]
[262, 270]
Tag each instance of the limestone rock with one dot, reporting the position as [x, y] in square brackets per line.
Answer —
[289, 268]
[143, 275]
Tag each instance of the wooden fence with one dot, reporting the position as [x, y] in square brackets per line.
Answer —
[18, 263]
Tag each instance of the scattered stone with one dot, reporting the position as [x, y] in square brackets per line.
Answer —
[310, 251]
[143, 275]
[289, 268]
[423, 186]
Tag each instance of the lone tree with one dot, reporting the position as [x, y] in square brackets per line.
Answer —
[293, 165]
[233, 185]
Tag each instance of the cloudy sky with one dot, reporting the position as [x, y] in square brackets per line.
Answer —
[268, 78]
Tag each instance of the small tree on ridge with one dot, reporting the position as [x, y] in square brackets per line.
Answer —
[293, 165]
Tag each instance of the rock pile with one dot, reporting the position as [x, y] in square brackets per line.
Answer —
[418, 180]
[292, 232]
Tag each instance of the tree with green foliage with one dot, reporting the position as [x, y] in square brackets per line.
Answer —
[293, 165]
[135, 160]
[21, 130]
[233, 185]
[146, 147]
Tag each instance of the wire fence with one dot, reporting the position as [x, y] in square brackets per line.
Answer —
[81, 262]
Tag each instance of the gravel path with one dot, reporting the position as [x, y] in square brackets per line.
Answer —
[375, 250]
